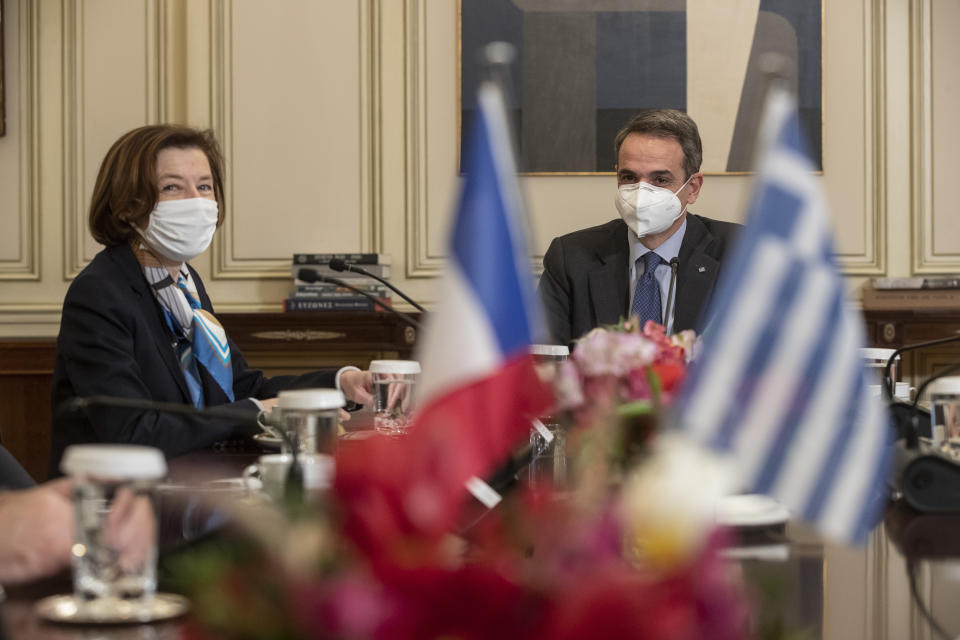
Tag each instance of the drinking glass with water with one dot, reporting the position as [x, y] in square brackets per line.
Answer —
[394, 382]
[115, 541]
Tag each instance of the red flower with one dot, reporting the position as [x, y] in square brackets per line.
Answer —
[670, 374]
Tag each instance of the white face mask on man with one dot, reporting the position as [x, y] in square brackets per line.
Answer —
[648, 209]
[181, 229]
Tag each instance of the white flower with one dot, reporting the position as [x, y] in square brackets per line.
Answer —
[668, 502]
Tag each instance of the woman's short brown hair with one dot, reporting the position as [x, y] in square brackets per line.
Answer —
[126, 190]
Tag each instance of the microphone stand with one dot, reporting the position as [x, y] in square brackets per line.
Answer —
[668, 312]
[293, 485]
[310, 275]
[887, 381]
[341, 265]
[936, 376]
[912, 437]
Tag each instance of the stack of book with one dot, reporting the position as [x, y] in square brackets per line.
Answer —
[324, 296]
[907, 294]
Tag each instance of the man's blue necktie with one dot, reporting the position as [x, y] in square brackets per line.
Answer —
[646, 297]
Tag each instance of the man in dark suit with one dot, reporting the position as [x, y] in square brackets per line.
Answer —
[12, 475]
[656, 262]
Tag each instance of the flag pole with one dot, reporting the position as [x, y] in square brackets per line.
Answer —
[495, 60]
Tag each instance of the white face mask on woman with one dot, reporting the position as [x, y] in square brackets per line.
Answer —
[181, 229]
[648, 209]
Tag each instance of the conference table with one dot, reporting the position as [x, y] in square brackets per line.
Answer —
[797, 581]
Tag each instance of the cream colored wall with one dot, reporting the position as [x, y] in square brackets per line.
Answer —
[339, 122]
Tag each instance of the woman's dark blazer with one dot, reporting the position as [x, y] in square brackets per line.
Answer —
[114, 341]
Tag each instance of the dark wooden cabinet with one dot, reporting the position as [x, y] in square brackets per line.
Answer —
[277, 343]
[26, 370]
[895, 329]
[281, 343]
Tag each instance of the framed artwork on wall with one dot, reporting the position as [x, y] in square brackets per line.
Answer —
[585, 67]
[3, 113]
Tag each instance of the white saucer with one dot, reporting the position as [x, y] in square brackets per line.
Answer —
[750, 510]
[229, 485]
[70, 610]
[268, 441]
[765, 552]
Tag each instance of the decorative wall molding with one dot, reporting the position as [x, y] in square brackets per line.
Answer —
[876, 586]
[873, 261]
[371, 134]
[26, 267]
[925, 259]
[226, 263]
[75, 193]
[73, 140]
[420, 261]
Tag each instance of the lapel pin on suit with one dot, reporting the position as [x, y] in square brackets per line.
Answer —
[701, 268]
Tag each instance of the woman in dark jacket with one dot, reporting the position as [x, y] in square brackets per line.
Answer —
[137, 322]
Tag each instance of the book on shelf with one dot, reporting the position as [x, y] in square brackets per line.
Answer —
[382, 270]
[352, 279]
[910, 299]
[337, 294]
[937, 282]
[357, 303]
[362, 259]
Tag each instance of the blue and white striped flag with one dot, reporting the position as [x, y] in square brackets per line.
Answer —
[780, 386]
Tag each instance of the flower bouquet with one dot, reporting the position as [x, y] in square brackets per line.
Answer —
[397, 549]
[620, 377]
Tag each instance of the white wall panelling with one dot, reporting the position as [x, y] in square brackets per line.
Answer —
[936, 135]
[292, 100]
[19, 186]
[112, 82]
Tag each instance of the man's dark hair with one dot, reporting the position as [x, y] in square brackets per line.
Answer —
[126, 189]
[666, 123]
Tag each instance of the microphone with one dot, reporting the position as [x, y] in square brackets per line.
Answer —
[340, 265]
[293, 486]
[667, 311]
[74, 405]
[311, 275]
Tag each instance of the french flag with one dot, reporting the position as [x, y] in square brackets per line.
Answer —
[478, 390]
[478, 385]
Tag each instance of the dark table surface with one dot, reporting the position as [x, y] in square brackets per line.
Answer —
[800, 581]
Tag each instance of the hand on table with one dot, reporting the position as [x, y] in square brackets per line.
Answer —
[398, 394]
[37, 532]
[357, 386]
[131, 528]
[270, 403]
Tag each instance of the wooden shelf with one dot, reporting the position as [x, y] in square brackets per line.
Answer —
[277, 343]
[895, 329]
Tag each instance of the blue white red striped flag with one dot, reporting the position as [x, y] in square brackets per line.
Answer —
[780, 385]
[478, 384]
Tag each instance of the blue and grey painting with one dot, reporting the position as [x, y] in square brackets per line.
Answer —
[581, 74]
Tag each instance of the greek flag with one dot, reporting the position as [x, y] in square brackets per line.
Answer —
[780, 386]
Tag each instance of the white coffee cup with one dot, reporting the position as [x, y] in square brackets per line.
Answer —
[311, 417]
[272, 470]
[904, 392]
